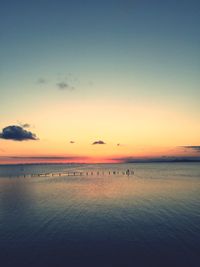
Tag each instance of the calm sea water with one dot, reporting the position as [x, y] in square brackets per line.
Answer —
[149, 219]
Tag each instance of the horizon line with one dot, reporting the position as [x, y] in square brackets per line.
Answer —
[23, 160]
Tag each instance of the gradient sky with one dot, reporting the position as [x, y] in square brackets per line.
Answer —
[122, 71]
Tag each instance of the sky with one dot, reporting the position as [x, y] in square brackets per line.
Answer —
[99, 81]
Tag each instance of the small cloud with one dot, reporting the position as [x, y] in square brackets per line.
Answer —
[120, 144]
[98, 143]
[17, 133]
[65, 86]
[62, 85]
[91, 83]
[41, 81]
[67, 82]
[194, 148]
[72, 142]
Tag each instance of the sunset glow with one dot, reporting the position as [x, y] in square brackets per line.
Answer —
[135, 90]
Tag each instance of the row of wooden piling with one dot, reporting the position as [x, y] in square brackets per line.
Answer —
[80, 173]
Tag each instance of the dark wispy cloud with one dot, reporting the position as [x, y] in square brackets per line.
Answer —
[120, 144]
[91, 83]
[72, 142]
[100, 142]
[41, 80]
[156, 159]
[41, 159]
[62, 85]
[64, 82]
[49, 157]
[17, 133]
[194, 148]
[65, 86]
[67, 81]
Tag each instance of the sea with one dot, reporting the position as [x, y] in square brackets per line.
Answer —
[100, 215]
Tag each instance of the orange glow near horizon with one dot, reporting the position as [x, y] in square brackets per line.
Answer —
[150, 153]
[148, 131]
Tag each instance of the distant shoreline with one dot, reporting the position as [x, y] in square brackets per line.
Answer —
[107, 163]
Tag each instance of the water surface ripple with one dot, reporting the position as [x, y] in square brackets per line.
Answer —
[149, 219]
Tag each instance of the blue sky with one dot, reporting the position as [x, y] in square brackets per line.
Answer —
[153, 40]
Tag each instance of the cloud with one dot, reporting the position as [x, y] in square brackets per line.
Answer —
[65, 86]
[118, 144]
[72, 142]
[67, 82]
[41, 81]
[194, 148]
[98, 143]
[168, 159]
[64, 82]
[17, 133]
[62, 85]
[42, 159]
[48, 157]
[91, 83]
[25, 125]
